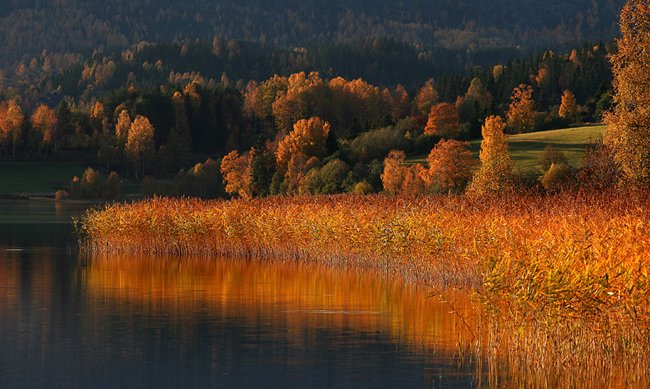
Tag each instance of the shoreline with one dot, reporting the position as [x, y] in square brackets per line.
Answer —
[568, 274]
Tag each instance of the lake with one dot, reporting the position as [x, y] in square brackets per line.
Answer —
[78, 320]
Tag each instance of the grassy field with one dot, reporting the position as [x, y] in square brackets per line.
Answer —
[526, 148]
[37, 177]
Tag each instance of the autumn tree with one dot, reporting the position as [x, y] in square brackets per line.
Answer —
[521, 116]
[394, 172]
[426, 97]
[97, 115]
[44, 121]
[413, 183]
[122, 127]
[140, 142]
[443, 121]
[236, 171]
[11, 125]
[628, 132]
[495, 172]
[451, 165]
[568, 107]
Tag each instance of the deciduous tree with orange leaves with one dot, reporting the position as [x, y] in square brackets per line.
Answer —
[628, 132]
[122, 127]
[521, 116]
[296, 152]
[11, 125]
[451, 165]
[237, 174]
[495, 172]
[443, 121]
[44, 120]
[426, 97]
[394, 172]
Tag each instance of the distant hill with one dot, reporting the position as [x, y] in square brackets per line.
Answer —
[27, 27]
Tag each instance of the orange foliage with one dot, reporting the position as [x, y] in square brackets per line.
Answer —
[11, 123]
[122, 127]
[568, 274]
[308, 138]
[443, 121]
[450, 166]
[394, 172]
[44, 120]
[237, 174]
[426, 97]
[568, 107]
[140, 143]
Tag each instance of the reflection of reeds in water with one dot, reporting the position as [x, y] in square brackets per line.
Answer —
[304, 298]
[564, 280]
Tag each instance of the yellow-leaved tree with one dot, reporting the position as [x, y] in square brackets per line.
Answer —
[628, 131]
[44, 120]
[568, 107]
[140, 142]
[122, 127]
[495, 174]
[301, 150]
[11, 125]
[521, 116]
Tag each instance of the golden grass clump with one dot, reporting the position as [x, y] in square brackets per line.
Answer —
[563, 280]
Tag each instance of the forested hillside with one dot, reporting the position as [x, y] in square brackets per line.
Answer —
[29, 26]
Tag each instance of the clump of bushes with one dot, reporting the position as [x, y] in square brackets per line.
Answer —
[203, 181]
[93, 185]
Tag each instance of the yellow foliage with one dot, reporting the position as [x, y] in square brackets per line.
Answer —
[308, 138]
[237, 174]
[568, 107]
[122, 127]
[44, 120]
[521, 116]
[628, 132]
[450, 166]
[394, 172]
[495, 172]
[561, 278]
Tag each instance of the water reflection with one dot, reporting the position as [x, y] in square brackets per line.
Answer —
[123, 321]
[301, 298]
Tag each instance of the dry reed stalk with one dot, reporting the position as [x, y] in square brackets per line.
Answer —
[566, 277]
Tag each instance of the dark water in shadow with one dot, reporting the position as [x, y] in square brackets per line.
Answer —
[119, 321]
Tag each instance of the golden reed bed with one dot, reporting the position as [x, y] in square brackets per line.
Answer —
[563, 280]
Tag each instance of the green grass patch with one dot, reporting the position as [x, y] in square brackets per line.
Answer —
[37, 177]
[526, 148]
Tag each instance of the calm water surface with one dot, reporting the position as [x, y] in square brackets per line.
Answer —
[116, 321]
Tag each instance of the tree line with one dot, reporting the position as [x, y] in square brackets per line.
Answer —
[141, 126]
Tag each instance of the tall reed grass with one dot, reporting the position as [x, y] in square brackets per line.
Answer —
[563, 279]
